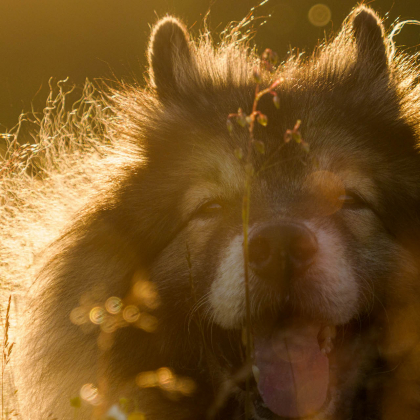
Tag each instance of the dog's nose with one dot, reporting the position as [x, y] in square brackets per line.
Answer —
[279, 249]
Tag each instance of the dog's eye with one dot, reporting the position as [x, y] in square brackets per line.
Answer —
[351, 200]
[211, 208]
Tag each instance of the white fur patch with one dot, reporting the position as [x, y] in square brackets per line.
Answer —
[336, 283]
[227, 295]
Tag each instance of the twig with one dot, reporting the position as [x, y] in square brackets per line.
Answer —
[6, 352]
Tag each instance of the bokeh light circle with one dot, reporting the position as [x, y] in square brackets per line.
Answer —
[319, 15]
[131, 313]
[113, 305]
[79, 316]
[147, 379]
[109, 325]
[97, 315]
[90, 393]
[148, 323]
[186, 386]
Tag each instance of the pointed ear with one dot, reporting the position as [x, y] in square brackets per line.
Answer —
[369, 34]
[170, 59]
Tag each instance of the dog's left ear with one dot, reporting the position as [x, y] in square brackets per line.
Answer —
[170, 57]
[370, 39]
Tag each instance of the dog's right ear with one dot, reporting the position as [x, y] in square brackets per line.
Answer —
[370, 39]
[170, 58]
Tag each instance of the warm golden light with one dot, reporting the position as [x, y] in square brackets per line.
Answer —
[165, 379]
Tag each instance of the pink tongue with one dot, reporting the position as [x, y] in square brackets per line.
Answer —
[294, 373]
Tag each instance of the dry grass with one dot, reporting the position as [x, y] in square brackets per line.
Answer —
[49, 169]
[42, 182]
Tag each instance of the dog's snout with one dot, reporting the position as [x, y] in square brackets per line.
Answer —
[275, 249]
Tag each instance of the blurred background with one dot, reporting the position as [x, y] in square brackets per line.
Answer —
[107, 38]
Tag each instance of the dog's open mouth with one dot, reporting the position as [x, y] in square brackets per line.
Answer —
[291, 368]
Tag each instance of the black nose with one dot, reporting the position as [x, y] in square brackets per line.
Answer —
[279, 249]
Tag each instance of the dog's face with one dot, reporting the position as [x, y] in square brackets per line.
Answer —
[320, 258]
[328, 231]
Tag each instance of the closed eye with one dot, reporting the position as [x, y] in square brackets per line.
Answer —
[209, 209]
[353, 201]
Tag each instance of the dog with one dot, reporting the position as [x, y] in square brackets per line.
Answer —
[145, 304]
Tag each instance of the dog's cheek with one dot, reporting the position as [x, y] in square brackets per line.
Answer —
[378, 257]
[330, 287]
[181, 271]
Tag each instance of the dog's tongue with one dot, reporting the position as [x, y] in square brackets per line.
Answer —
[293, 372]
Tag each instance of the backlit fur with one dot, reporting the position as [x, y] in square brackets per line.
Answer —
[131, 213]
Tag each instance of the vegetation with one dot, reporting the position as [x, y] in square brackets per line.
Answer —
[268, 63]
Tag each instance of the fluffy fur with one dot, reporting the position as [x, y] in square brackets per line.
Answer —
[153, 218]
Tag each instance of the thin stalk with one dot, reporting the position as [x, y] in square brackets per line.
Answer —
[6, 351]
[245, 220]
[245, 223]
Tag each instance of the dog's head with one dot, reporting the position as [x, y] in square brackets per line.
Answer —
[330, 231]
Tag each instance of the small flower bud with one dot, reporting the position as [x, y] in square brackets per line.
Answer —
[297, 137]
[259, 146]
[241, 118]
[270, 57]
[262, 119]
[266, 55]
[287, 136]
[257, 75]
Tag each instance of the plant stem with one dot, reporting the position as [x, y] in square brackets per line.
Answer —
[245, 220]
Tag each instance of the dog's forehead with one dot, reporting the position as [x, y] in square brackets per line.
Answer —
[216, 173]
